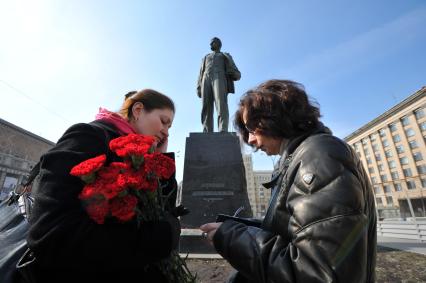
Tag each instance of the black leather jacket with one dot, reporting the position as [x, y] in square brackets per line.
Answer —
[321, 222]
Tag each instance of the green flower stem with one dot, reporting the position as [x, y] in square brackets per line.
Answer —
[137, 161]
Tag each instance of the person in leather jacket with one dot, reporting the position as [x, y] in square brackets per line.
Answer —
[320, 225]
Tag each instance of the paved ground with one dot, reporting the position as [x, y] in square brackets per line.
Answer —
[398, 260]
[403, 244]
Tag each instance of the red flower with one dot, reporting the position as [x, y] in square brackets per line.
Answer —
[132, 179]
[89, 166]
[162, 166]
[127, 190]
[90, 191]
[98, 210]
[132, 144]
[123, 208]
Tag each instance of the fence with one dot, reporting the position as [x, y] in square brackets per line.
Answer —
[414, 230]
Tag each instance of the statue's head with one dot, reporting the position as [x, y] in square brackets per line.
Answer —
[215, 44]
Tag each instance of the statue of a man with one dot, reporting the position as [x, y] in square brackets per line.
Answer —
[217, 75]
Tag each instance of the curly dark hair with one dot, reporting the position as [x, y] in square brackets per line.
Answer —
[277, 108]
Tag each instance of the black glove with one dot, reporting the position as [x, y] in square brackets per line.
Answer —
[179, 210]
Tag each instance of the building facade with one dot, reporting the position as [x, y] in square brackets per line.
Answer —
[20, 150]
[393, 151]
[258, 195]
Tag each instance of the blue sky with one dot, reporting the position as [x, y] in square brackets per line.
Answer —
[61, 60]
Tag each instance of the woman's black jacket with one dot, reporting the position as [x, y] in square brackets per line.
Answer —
[68, 245]
[321, 222]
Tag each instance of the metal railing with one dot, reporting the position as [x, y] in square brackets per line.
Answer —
[414, 229]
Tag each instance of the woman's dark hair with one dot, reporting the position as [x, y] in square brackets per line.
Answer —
[277, 108]
[151, 99]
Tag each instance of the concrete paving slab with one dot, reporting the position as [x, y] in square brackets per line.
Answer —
[402, 244]
[201, 256]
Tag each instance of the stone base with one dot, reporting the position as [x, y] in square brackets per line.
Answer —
[214, 178]
[192, 242]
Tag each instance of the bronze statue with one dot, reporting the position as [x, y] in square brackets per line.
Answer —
[217, 75]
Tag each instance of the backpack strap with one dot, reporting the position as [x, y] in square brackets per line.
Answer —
[33, 174]
[24, 187]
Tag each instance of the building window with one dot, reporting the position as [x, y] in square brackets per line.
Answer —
[382, 132]
[388, 153]
[364, 141]
[419, 113]
[375, 146]
[389, 200]
[400, 149]
[404, 160]
[356, 145]
[366, 151]
[385, 143]
[413, 144]
[417, 156]
[384, 178]
[411, 185]
[368, 160]
[421, 169]
[387, 189]
[377, 190]
[405, 121]
[398, 187]
[374, 180]
[407, 172]
[423, 126]
[370, 169]
[409, 132]
[379, 201]
[396, 138]
[392, 127]
[378, 156]
[423, 183]
[392, 164]
[380, 166]
[394, 175]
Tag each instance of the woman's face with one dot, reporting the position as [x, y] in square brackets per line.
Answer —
[153, 123]
[270, 145]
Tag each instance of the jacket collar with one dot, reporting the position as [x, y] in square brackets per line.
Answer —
[290, 147]
[294, 143]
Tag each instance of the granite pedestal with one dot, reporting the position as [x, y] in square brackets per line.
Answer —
[213, 182]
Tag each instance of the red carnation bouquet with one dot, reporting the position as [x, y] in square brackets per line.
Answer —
[131, 190]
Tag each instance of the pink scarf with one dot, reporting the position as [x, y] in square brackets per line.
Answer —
[123, 127]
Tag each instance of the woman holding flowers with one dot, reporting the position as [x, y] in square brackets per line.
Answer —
[98, 213]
